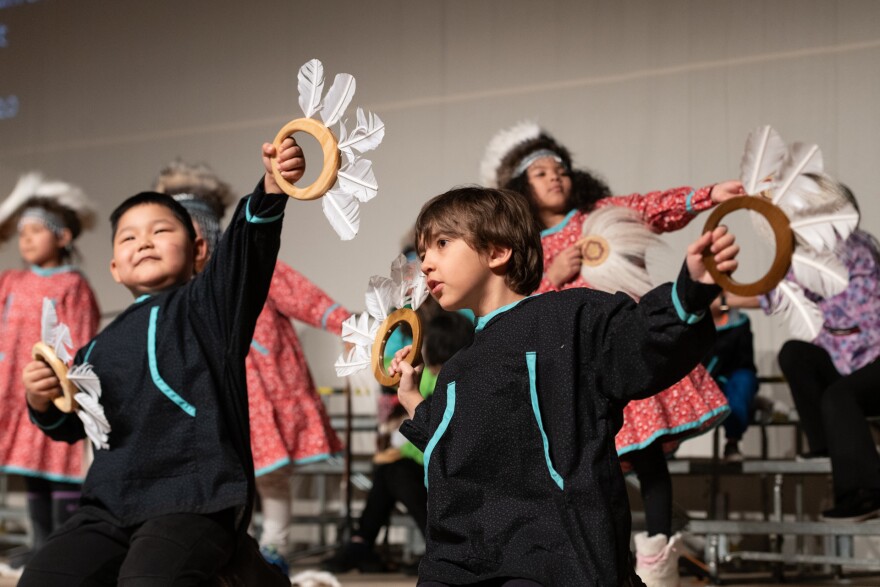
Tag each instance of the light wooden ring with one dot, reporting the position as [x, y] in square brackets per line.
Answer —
[779, 223]
[328, 144]
[401, 316]
[65, 401]
[594, 250]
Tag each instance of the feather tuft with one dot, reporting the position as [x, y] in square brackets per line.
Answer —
[763, 156]
[310, 83]
[357, 178]
[367, 134]
[338, 98]
[503, 143]
[820, 273]
[341, 209]
[804, 317]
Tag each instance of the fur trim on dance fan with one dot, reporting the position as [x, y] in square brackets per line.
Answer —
[509, 147]
[67, 201]
[179, 177]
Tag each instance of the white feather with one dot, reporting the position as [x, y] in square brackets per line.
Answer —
[420, 291]
[338, 98]
[500, 145]
[54, 334]
[341, 209]
[763, 156]
[357, 358]
[24, 189]
[823, 232]
[804, 317]
[821, 273]
[801, 159]
[85, 378]
[380, 295]
[310, 83]
[360, 329]
[628, 238]
[399, 268]
[366, 135]
[94, 422]
[357, 178]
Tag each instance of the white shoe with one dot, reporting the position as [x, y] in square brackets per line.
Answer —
[657, 559]
[315, 579]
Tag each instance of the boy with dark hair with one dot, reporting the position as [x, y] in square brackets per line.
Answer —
[524, 485]
[169, 502]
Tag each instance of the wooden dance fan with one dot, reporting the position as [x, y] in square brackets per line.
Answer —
[343, 186]
[65, 401]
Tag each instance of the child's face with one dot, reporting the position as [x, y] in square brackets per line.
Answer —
[151, 250]
[456, 272]
[551, 185]
[40, 246]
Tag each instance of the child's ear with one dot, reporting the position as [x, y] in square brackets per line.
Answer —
[65, 238]
[200, 256]
[499, 256]
[114, 271]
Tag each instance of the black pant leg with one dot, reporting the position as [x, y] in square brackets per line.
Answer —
[655, 482]
[809, 371]
[85, 551]
[407, 483]
[379, 505]
[855, 463]
[177, 549]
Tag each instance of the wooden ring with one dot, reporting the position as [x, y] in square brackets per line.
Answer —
[401, 316]
[594, 250]
[65, 401]
[328, 144]
[779, 223]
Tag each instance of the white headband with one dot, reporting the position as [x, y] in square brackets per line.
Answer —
[42, 216]
[532, 157]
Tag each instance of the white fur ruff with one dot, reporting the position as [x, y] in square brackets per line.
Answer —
[500, 145]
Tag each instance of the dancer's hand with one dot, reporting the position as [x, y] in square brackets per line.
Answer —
[408, 388]
[723, 246]
[41, 385]
[291, 162]
[721, 192]
[565, 266]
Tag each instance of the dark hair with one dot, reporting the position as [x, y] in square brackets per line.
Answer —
[445, 335]
[483, 217]
[68, 217]
[586, 190]
[145, 198]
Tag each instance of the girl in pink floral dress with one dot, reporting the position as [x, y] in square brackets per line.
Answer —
[48, 217]
[529, 161]
[288, 422]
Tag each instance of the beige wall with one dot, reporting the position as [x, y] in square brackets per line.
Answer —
[649, 94]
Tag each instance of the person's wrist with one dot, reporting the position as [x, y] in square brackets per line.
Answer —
[38, 404]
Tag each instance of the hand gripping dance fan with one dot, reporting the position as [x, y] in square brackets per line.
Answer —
[354, 181]
[386, 301]
[808, 216]
[81, 389]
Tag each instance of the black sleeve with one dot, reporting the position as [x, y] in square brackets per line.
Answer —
[57, 425]
[229, 294]
[418, 430]
[643, 348]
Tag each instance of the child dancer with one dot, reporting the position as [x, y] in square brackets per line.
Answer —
[289, 424]
[524, 484]
[48, 217]
[529, 161]
[169, 501]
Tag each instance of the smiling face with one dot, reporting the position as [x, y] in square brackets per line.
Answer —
[551, 186]
[40, 246]
[152, 250]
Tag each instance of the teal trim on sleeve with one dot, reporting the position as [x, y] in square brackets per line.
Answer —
[326, 316]
[89, 351]
[685, 316]
[256, 219]
[711, 365]
[531, 362]
[562, 224]
[50, 426]
[483, 320]
[689, 202]
[441, 429]
[259, 348]
[184, 405]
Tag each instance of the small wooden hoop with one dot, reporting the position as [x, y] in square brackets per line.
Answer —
[779, 223]
[328, 144]
[401, 316]
[594, 250]
[45, 353]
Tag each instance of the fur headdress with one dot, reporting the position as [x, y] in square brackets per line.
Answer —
[204, 195]
[33, 190]
[510, 147]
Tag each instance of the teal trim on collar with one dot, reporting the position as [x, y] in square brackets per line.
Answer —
[562, 224]
[531, 363]
[188, 408]
[259, 348]
[142, 297]
[689, 202]
[49, 271]
[483, 320]
[441, 429]
[89, 351]
[326, 316]
[256, 219]
[685, 316]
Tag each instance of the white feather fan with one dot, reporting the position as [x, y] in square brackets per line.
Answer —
[356, 181]
[804, 317]
[628, 239]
